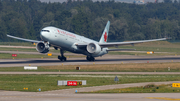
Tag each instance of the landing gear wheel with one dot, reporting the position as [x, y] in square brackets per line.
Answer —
[59, 57]
[90, 58]
[62, 58]
[87, 58]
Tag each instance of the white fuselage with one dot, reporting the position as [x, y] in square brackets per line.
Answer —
[67, 40]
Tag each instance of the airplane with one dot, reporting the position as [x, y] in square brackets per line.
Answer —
[67, 41]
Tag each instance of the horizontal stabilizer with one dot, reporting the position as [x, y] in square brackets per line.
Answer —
[121, 49]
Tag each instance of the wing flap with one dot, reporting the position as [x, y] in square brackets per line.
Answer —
[28, 40]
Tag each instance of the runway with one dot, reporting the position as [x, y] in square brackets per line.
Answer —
[107, 59]
[21, 96]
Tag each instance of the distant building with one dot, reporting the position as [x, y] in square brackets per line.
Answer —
[139, 1]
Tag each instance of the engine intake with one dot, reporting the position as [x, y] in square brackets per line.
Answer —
[42, 47]
[93, 48]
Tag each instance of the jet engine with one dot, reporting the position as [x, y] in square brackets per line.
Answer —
[42, 47]
[93, 48]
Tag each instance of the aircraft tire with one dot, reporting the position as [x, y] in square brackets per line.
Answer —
[87, 58]
[59, 57]
[90, 58]
[62, 58]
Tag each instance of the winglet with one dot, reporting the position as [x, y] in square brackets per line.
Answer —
[104, 36]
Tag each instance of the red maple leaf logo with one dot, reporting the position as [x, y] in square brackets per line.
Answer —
[105, 37]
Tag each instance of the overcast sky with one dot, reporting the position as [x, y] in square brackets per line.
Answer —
[99, 0]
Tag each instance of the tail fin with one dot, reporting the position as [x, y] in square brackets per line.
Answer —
[105, 33]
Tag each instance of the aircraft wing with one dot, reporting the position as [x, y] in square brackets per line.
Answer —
[28, 40]
[111, 44]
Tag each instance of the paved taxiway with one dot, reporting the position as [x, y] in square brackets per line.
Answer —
[107, 59]
[21, 96]
[69, 94]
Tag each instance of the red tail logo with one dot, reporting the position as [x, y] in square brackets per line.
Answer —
[105, 37]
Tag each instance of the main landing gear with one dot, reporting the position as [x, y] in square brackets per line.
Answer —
[90, 58]
[62, 58]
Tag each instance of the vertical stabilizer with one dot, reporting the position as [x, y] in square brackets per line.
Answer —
[104, 36]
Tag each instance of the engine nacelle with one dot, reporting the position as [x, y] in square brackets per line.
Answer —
[93, 48]
[42, 47]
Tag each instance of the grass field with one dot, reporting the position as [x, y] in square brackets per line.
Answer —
[158, 46]
[49, 82]
[25, 56]
[145, 89]
[19, 49]
[131, 67]
[22, 56]
[25, 49]
[17, 43]
[145, 53]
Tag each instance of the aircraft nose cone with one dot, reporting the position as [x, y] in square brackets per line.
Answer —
[44, 36]
[41, 35]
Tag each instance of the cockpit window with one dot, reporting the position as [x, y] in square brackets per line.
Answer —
[45, 30]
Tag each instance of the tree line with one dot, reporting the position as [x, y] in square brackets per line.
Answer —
[26, 18]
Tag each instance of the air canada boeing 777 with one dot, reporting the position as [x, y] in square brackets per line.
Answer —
[67, 41]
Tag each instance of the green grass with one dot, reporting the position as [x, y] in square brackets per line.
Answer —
[18, 49]
[17, 43]
[145, 54]
[130, 67]
[146, 89]
[25, 49]
[22, 56]
[49, 82]
[158, 46]
[25, 56]
[28, 50]
[153, 48]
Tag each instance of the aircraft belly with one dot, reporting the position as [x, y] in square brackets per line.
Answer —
[64, 43]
